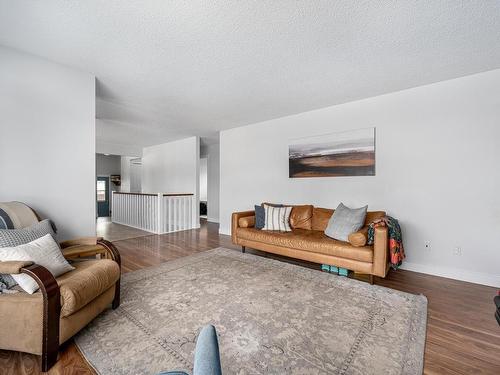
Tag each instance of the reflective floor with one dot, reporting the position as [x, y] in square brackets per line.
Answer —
[114, 232]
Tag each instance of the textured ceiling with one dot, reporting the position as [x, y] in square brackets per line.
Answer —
[169, 69]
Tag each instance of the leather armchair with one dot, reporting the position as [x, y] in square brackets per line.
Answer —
[38, 323]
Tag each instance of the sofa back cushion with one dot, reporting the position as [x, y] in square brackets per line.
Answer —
[371, 216]
[301, 217]
[320, 218]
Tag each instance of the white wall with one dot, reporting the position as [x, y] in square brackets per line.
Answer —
[203, 178]
[125, 173]
[135, 175]
[47, 140]
[131, 174]
[173, 168]
[213, 171]
[116, 148]
[212, 153]
[437, 170]
[106, 165]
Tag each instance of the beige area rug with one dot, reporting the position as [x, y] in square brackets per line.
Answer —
[272, 318]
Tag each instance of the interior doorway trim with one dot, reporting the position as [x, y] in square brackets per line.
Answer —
[108, 177]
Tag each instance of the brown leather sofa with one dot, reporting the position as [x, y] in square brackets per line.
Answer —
[38, 323]
[307, 240]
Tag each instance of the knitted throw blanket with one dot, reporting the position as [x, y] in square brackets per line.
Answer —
[396, 249]
[6, 283]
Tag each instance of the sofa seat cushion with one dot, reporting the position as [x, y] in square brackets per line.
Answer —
[308, 240]
[89, 280]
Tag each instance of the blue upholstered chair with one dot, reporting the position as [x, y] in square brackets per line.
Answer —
[206, 357]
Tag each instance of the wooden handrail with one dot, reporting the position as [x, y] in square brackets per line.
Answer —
[125, 192]
[154, 195]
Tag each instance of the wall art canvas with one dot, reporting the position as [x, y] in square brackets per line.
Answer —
[349, 153]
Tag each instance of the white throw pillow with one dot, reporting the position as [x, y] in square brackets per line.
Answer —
[277, 218]
[43, 251]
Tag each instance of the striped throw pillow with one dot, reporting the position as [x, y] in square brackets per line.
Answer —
[277, 218]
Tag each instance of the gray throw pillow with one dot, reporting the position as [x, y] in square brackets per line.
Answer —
[260, 217]
[345, 221]
[16, 237]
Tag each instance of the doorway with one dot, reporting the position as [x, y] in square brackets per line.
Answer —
[102, 196]
[203, 187]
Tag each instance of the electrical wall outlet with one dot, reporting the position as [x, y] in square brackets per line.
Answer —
[457, 250]
[427, 245]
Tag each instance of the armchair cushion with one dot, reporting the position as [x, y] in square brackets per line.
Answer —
[88, 280]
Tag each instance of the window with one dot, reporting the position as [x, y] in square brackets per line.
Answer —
[101, 191]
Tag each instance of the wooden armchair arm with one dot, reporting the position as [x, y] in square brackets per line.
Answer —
[51, 312]
[80, 241]
[101, 247]
[111, 251]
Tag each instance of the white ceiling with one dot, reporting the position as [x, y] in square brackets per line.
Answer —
[170, 69]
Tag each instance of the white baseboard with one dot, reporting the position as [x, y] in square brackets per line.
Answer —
[454, 273]
[225, 232]
[442, 271]
[213, 220]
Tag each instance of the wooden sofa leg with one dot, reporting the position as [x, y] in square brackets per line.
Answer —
[116, 301]
[371, 279]
[243, 249]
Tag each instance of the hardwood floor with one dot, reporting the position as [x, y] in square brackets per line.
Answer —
[115, 232]
[463, 336]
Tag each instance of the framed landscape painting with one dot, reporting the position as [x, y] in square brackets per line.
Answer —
[349, 153]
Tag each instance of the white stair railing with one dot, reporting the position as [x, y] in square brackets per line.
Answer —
[157, 213]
